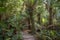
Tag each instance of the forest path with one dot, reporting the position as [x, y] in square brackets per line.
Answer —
[27, 36]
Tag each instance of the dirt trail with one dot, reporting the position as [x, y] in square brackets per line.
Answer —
[27, 36]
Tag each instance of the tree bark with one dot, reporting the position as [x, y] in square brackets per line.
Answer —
[50, 16]
[30, 8]
[39, 18]
[31, 19]
[49, 9]
[29, 26]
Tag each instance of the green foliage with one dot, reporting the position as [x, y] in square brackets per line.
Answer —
[13, 12]
[49, 35]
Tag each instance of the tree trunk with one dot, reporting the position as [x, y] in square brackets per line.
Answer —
[32, 22]
[50, 16]
[30, 7]
[31, 19]
[39, 18]
[29, 26]
[0, 17]
[49, 9]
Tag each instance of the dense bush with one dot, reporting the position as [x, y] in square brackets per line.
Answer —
[49, 35]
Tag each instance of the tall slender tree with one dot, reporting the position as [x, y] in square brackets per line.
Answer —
[50, 8]
[30, 5]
